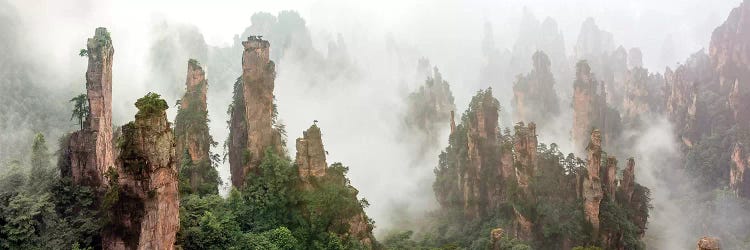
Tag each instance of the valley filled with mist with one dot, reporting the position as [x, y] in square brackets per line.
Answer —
[374, 125]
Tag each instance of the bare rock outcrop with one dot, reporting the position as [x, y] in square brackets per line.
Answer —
[709, 243]
[253, 113]
[90, 149]
[311, 157]
[627, 184]
[610, 177]
[142, 200]
[592, 188]
[739, 181]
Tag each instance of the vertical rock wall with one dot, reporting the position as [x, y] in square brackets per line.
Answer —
[91, 153]
[142, 202]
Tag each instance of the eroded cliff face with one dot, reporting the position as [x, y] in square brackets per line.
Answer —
[534, 95]
[592, 185]
[590, 109]
[142, 200]
[739, 181]
[193, 141]
[311, 157]
[627, 184]
[524, 146]
[91, 153]
[253, 118]
[682, 104]
[730, 58]
[482, 132]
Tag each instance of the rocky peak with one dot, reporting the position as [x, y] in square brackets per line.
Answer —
[196, 86]
[592, 188]
[534, 96]
[311, 157]
[592, 41]
[709, 243]
[91, 153]
[635, 58]
[192, 108]
[193, 141]
[627, 184]
[590, 109]
[253, 113]
[142, 203]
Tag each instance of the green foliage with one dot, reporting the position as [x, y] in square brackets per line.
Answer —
[83, 53]
[81, 108]
[267, 198]
[150, 105]
[41, 176]
[191, 127]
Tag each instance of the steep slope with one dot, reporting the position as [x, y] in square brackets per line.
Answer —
[193, 141]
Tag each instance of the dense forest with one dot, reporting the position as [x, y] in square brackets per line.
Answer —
[552, 150]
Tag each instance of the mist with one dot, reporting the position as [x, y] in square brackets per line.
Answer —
[360, 104]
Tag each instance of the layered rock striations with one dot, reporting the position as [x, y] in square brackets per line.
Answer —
[90, 149]
[142, 200]
[253, 112]
[534, 95]
[193, 141]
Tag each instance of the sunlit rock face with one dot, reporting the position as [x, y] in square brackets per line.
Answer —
[253, 112]
[142, 200]
[534, 95]
[311, 157]
[90, 149]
